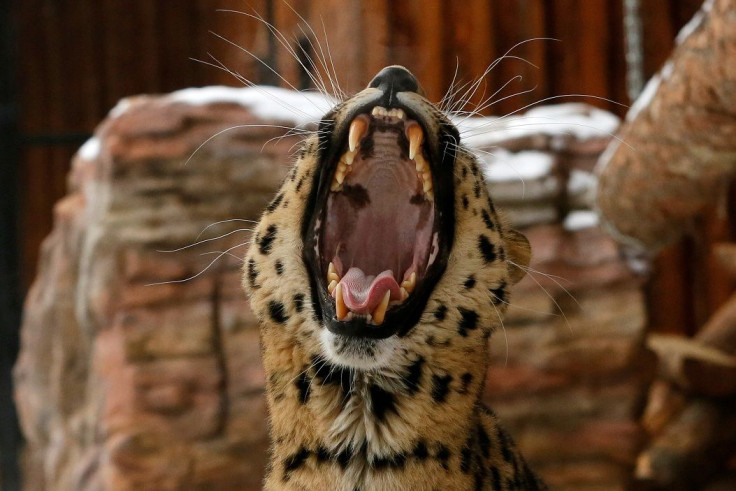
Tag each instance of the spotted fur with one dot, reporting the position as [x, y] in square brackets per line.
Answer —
[417, 421]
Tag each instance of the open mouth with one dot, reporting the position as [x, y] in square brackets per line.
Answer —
[378, 231]
[375, 243]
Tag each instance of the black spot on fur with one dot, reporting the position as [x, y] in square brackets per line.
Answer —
[440, 313]
[266, 242]
[420, 451]
[505, 443]
[295, 461]
[323, 455]
[476, 189]
[343, 458]
[443, 455]
[299, 302]
[495, 477]
[396, 461]
[484, 442]
[328, 374]
[466, 455]
[465, 171]
[277, 312]
[299, 184]
[303, 386]
[487, 219]
[480, 474]
[252, 273]
[487, 249]
[499, 293]
[440, 387]
[275, 203]
[468, 321]
[466, 202]
[414, 376]
[470, 282]
[279, 267]
[465, 379]
[382, 402]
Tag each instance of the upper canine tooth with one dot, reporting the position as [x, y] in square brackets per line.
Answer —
[415, 135]
[341, 310]
[380, 313]
[357, 130]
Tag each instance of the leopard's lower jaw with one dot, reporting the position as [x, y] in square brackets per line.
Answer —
[359, 353]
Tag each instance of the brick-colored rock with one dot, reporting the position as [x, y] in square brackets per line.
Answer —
[140, 366]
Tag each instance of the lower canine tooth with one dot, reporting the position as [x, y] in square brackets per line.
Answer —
[380, 313]
[341, 310]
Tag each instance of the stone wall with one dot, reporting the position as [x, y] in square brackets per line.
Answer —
[140, 368]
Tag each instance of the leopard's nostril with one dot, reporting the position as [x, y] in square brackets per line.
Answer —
[394, 79]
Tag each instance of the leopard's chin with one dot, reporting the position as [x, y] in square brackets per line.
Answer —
[359, 353]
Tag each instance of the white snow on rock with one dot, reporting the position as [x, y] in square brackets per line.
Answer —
[90, 150]
[579, 220]
[504, 166]
[576, 119]
[580, 182]
[122, 106]
[270, 103]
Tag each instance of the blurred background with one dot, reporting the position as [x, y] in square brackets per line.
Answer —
[66, 63]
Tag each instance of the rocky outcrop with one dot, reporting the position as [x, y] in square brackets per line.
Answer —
[140, 368]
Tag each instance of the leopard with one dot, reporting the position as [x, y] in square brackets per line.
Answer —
[378, 273]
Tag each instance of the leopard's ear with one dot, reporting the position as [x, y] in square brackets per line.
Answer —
[518, 253]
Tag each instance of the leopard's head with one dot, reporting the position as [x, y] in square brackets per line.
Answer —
[383, 244]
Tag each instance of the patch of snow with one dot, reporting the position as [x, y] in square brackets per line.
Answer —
[90, 150]
[272, 103]
[579, 220]
[122, 106]
[646, 96]
[690, 27]
[577, 119]
[580, 182]
[504, 166]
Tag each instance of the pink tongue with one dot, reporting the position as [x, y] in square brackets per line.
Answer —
[362, 293]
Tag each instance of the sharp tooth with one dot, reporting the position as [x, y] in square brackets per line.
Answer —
[416, 136]
[332, 274]
[357, 130]
[349, 157]
[340, 308]
[404, 294]
[400, 113]
[376, 111]
[420, 163]
[340, 175]
[380, 313]
[331, 286]
[410, 282]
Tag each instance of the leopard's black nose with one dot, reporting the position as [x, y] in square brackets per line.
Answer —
[393, 79]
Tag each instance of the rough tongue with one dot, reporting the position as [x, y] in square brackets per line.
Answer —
[362, 293]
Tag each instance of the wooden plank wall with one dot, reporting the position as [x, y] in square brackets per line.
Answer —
[76, 59]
